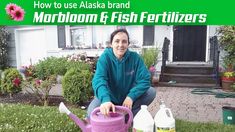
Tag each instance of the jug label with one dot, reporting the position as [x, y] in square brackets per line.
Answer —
[165, 129]
[137, 130]
[230, 118]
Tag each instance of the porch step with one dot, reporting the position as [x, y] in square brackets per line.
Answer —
[188, 75]
[187, 78]
[190, 85]
[186, 69]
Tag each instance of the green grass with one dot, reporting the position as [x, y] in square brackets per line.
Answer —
[18, 117]
[185, 126]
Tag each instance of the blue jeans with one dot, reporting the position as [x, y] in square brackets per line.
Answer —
[144, 99]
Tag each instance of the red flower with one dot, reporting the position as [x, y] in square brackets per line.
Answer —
[16, 82]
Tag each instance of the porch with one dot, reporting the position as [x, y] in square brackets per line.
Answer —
[191, 73]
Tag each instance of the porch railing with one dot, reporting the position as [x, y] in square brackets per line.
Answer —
[165, 51]
[215, 58]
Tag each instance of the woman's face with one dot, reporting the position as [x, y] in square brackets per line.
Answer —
[120, 44]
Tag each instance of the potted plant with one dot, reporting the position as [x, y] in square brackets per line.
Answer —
[149, 56]
[233, 86]
[227, 44]
[228, 79]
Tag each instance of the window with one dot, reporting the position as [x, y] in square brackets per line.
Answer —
[136, 36]
[86, 37]
[148, 35]
[79, 36]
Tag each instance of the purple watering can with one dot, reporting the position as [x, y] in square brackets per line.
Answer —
[98, 122]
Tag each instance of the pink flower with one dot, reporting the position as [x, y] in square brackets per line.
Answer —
[15, 12]
[10, 7]
[152, 69]
[18, 14]
[38, 82]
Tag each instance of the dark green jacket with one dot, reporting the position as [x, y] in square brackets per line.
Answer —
[115, 79]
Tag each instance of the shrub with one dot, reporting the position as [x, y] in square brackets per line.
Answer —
[84, 59]
[59, 65]
[77, 85]
[37, 87]
[28, 71]
[50, 66]
[78, 65]
[11, 81]
[40, 88]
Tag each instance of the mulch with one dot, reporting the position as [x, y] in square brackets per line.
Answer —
[29, 99]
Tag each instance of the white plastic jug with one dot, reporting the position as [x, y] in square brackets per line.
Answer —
[164, 121]
[143, 121]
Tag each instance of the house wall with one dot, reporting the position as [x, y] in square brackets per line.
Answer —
[103, 32]
[11, 46]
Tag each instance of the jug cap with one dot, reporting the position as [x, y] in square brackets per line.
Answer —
[162, 104]
[144, 106]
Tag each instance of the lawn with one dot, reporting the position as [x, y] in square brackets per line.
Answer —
[18, 117]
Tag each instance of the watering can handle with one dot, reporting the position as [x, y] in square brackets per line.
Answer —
[117, 108]
[129, 113]
[169, 110]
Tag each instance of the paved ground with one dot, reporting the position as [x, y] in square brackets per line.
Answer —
[191, 107]
[183, 104]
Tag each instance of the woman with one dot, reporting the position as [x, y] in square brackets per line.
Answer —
[121, 78]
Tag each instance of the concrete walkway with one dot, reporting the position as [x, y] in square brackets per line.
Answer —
[183, 104]
[191, 107]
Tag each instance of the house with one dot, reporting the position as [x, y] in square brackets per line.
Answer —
[188, 45]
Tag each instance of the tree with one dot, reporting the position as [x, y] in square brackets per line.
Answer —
[227, 43]
[4, 37]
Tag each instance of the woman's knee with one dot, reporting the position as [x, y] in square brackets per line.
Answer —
[94, 103]
[151, 92]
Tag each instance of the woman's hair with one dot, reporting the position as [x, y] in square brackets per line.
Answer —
[116, 32]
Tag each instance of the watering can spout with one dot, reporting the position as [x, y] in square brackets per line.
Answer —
[63, 108]
[79, 122]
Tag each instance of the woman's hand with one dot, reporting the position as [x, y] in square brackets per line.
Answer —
[105, 108]
[127, 102]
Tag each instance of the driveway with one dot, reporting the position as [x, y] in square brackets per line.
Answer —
[191, 107]
[183, 104]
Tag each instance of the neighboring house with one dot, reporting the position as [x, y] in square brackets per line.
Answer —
[188, 44]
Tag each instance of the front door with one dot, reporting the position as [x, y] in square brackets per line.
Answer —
[189, 43]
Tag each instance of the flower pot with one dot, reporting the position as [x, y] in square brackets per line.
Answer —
[228, 79]
[154, 81]
[227, 84]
